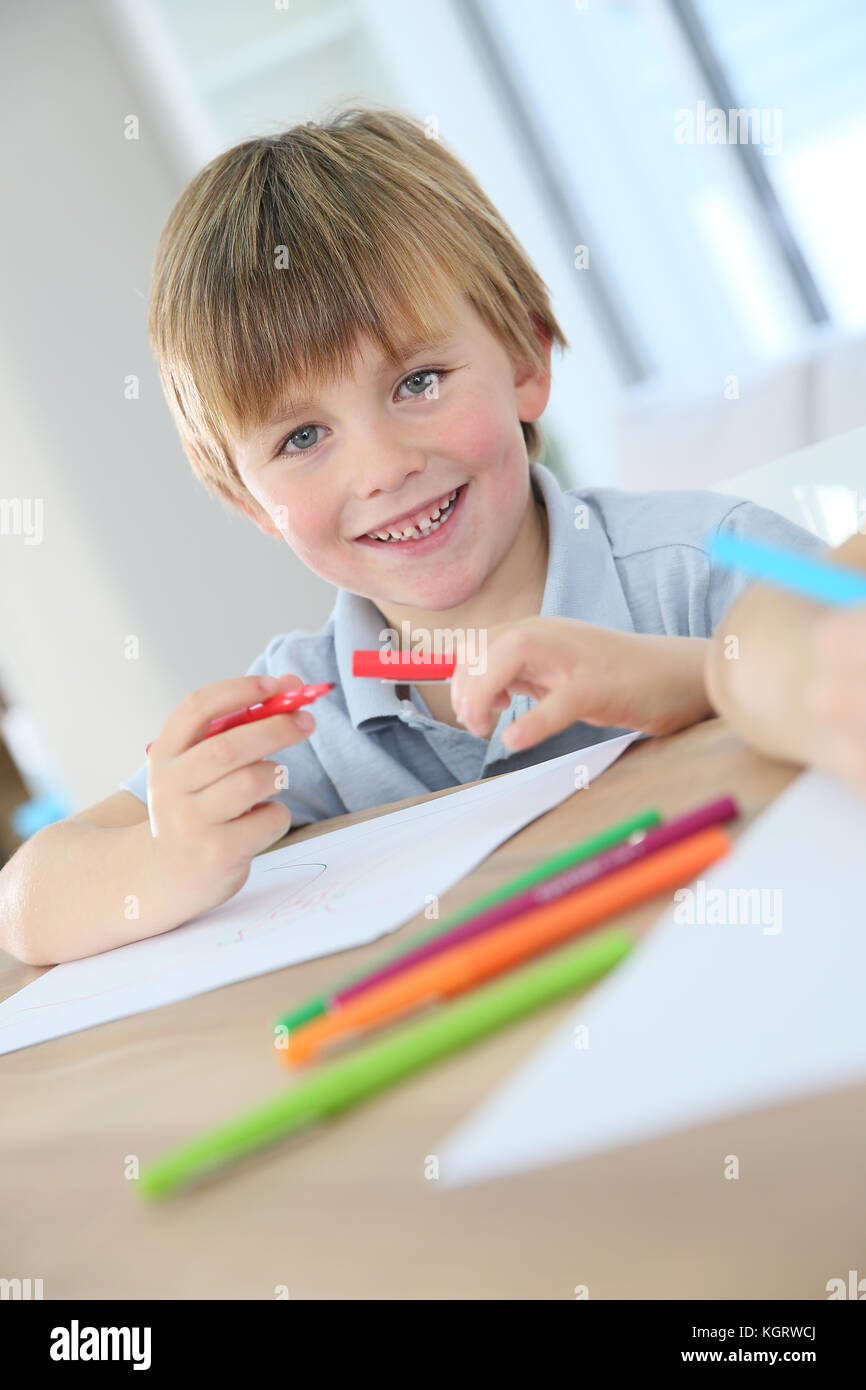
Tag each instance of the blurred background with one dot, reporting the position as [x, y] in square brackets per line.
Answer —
[711, 278]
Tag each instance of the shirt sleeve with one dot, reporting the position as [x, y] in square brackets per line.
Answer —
[747, 519]
[310, 794]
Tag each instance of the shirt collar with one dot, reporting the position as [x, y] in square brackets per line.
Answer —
[358, 623]
[582, 578]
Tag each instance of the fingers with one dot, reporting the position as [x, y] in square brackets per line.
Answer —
[477, 692]
[188, 722]
[520, 659]
[214, 758]
[212, 802]
[238, 792]
[209, 837]
[256, 830]
[552, 714]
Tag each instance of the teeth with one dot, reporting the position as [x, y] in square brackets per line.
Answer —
[428, 525]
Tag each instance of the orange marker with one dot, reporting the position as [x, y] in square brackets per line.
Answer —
[469, 964]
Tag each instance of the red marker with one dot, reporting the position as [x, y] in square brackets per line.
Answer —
[403, 669]
[285, 702]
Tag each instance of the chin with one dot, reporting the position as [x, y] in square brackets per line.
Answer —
[442, 601]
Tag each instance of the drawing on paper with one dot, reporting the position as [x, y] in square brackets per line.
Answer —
[295, 880]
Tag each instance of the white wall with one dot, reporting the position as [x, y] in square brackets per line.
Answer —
[132, 543]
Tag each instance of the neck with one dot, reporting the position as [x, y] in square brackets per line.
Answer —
[513, 590]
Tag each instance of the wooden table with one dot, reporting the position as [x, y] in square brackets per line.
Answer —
[346, 1212]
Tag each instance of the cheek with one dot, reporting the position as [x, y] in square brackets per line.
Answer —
[481, 433]
[301, 516]
[311, 532]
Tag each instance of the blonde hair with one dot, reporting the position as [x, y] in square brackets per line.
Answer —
[286, 247]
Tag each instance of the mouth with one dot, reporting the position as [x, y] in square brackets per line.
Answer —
[430, 528]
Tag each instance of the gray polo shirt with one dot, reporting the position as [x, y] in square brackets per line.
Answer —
[633, 561]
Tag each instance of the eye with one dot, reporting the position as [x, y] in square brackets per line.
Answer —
[419, 382]
[302, 436]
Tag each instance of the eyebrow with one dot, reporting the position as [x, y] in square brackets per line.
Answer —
[407, 349]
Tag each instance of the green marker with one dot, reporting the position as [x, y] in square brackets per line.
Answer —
[340, 1084]
[564, 859]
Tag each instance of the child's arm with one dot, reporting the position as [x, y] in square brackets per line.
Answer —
[63, 894]
[579, 672]
[114, 874]
[794, 681]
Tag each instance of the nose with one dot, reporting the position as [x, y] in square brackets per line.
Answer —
[386, 471]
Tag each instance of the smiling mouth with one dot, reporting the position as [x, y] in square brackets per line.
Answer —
[438, 516]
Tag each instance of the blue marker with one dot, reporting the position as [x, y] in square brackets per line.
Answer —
[813, 579]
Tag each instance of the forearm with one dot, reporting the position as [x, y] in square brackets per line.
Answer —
[74, 889]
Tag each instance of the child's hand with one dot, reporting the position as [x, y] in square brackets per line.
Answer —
[835, 698]
[208, 797]
[577, 671]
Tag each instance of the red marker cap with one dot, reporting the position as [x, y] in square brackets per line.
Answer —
[387, 665]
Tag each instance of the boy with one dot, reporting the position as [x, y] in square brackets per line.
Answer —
[355, 350]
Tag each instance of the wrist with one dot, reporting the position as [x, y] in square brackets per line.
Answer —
[678, 694]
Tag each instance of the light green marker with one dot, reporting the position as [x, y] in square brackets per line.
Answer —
[575, 854]
[340, 1084]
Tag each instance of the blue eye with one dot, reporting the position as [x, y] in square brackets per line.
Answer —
[304, 430]
[420, 376]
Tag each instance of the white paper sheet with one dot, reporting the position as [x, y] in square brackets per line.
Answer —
[704, 1018]
[342, 889]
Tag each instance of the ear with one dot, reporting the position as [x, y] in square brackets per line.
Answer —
[532, 387]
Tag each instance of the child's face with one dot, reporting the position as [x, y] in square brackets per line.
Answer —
[391, 442]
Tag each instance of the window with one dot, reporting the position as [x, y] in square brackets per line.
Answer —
[701, 276]
[808, 62]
